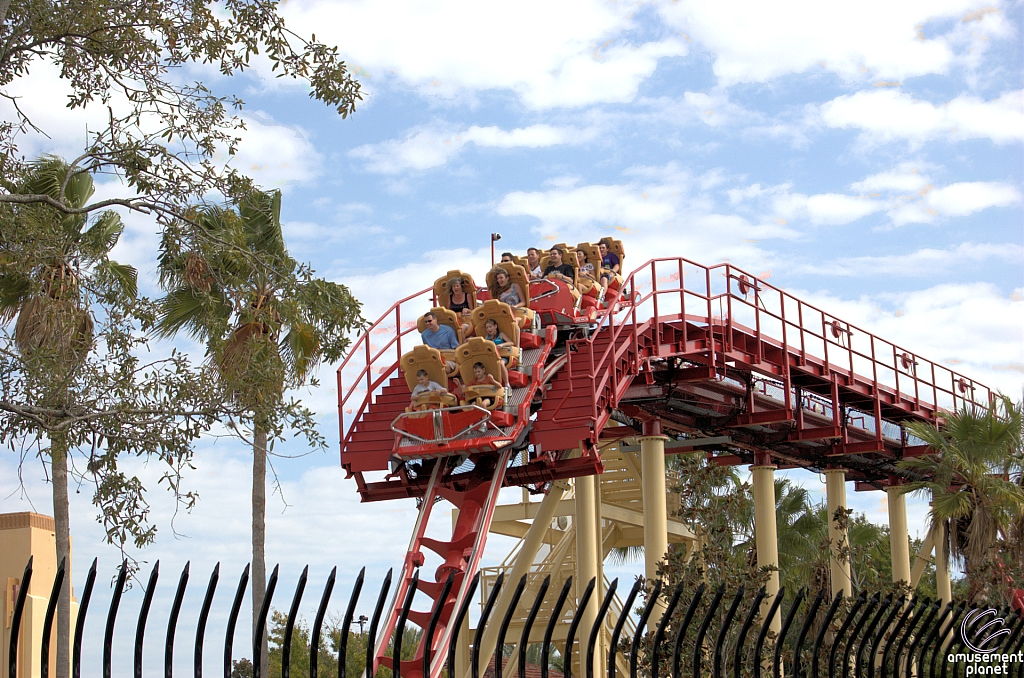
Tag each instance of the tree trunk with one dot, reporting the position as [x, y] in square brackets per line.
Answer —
[259, 536]
[62, 528]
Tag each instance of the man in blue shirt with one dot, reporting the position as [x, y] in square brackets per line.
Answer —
[441, 337]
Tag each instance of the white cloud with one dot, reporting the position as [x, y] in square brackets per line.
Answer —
[756, 41]
[660, 209]
[568, 54]
[971, 328]
[427, 148]
[922, 262]
[829, 209]
[967, 197]
[886, 114]
[906, 193]
[712, 108]
[904, 178]
[275, 155]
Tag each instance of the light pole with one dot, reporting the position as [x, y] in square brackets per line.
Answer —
[494, 238]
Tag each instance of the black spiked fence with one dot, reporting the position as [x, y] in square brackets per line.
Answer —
[697, 636]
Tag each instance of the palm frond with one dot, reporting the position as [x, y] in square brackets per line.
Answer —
[302, 345]
[125, 276]
[103, 234]
[181, 309]
[14, 290]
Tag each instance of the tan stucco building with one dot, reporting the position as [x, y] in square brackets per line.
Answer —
[23, 535]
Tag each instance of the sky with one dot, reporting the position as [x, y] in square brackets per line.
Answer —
[866, 157]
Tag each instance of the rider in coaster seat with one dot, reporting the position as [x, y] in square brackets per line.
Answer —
[426, 360]
[456, 291]
[509, 283]
[588, 280]
[434, 327]
[506, 335]
[532, 264]
[483, 374]
[613, 256]
[559, 263]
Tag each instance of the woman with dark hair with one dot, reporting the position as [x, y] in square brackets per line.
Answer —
[504, 290]
[460, 302]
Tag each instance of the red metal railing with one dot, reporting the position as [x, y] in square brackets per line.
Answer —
[369, 365]
[669, 289]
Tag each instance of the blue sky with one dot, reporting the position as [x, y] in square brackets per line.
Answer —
[865, 156]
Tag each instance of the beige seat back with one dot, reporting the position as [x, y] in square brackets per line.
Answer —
[444, 317]
[592, 252]
[478, 350]
[423, 358]
[441, 288]
[501, 313]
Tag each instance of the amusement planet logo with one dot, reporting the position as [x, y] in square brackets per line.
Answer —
[983, 641]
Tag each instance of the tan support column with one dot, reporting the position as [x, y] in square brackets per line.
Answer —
[588, 547]
[524, 559]
[765, 531]
[835, 490]
[899, 542]
[652, 468]
[924, 556]
[942, 584]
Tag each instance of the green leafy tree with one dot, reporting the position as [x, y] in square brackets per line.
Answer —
[973, 480]
[266, 320]
[131, 58]
[71, 368]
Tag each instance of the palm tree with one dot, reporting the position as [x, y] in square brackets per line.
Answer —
[50, 264]
[265, 320]
[971, 480]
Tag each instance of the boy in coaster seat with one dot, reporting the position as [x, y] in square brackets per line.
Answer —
[482, 378]
[425, 385]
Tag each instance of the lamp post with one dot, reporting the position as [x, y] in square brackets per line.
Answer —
[494, 238]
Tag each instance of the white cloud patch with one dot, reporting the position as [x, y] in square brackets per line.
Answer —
[756, 41]
[971, 328]
[923, 262]
[563, 54]
[275, 155]
[906, 193]
[830, 209]
[712, 108]
[657, 210]
[887, 114]
[427, 148]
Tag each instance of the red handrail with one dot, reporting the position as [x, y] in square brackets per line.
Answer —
[961, 390]
[362, 349]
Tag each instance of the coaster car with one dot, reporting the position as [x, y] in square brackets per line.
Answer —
[432, 362]
[435, 424]
[518, 276]
[490, 396]
[501, 313]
